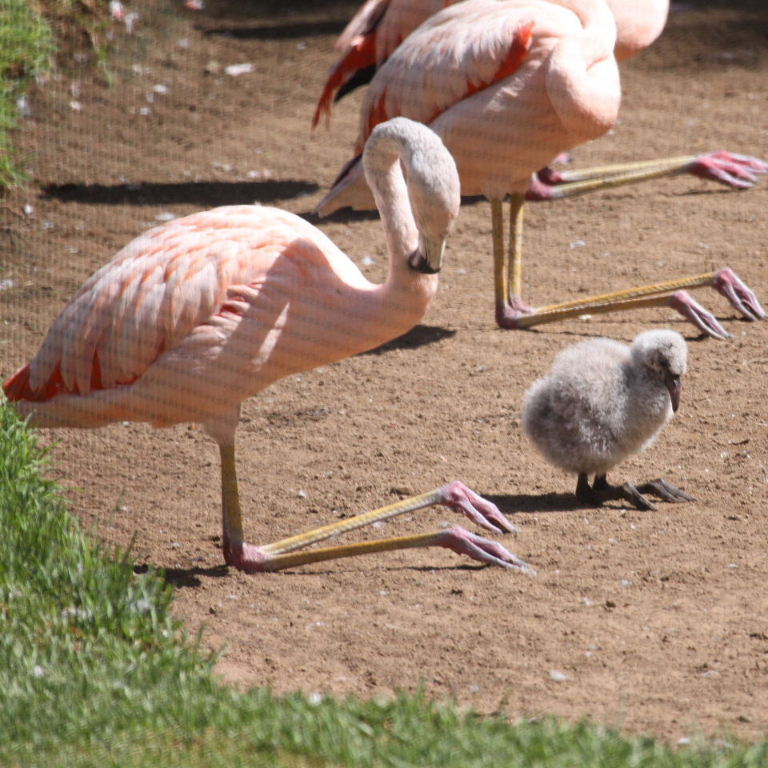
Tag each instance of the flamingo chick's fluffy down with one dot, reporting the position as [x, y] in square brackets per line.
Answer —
[604, 401]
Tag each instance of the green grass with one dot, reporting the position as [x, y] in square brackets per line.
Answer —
[94, 671]
[26, 51]
[28, 43]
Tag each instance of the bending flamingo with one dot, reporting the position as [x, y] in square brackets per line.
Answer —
[379, 26]
[197, 315]
[508, 85]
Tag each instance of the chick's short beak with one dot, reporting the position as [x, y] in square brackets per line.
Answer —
[675, 387]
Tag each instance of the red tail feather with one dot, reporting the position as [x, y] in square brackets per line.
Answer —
[362, 54]
[17, 386]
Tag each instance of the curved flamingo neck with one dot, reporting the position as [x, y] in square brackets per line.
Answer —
[637, 25]
[381, 163]
[583, 78]
[406, 289]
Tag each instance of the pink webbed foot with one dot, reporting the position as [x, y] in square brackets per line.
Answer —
[733, 170]
[458, 497]
[703, 319]
[463, 542]
[730, 285]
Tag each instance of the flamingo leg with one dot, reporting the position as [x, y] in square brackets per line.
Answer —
[281, 554]
[513, 313]
[727, 168]
[508, 265]
[231, 514]
[733, 170]
[455, 495]
[680, 301]
[500, 273]
[601, 171]
[665, 294]
[516, 209]
[457, 539]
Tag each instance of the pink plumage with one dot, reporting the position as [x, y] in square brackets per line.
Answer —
[501, 123]
[171, 306]
[509, 85]
[379, 26]
[196, 315]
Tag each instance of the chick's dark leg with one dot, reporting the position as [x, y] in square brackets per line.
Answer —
[602, 491]
[584, 492]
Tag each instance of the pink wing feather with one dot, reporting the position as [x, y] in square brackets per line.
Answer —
[391, 21]
[149, 298]
[443, 62]
[370, 38]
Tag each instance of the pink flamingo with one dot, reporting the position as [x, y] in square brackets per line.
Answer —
[198, 314]
[508, 85]
[379, 26]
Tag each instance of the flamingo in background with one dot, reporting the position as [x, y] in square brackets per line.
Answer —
[508, 85]
[194, 316]
[379, 26]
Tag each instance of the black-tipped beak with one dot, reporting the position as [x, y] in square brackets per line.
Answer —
[420, 263]
[428, 257]
[675, 387]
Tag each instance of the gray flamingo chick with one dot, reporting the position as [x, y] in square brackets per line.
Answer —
[604, 401]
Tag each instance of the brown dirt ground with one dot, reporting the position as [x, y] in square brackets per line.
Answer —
[657, 619]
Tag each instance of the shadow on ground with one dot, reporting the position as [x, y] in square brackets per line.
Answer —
[203, 193]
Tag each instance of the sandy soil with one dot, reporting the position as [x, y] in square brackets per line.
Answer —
[655, 620]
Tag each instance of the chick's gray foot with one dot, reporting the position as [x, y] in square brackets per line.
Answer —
[601, 491]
